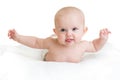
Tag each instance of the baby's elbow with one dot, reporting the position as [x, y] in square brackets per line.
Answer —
[97, 50]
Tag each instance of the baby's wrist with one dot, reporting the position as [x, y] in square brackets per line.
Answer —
[16, 37]
[103, 38]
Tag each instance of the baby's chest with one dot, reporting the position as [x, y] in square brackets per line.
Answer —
[67, 51]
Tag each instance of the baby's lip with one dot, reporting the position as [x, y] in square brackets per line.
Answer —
[69, 40]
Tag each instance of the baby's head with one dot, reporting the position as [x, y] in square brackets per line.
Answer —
[69, 25]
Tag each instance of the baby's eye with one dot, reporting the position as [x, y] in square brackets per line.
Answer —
[74, 29]
[62, 30]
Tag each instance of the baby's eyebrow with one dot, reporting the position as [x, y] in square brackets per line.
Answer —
[61, 28]
[74, 27]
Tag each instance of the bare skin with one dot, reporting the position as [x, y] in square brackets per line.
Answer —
[68, 46]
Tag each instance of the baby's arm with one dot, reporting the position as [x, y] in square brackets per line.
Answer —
[30, 41]
[103, 36]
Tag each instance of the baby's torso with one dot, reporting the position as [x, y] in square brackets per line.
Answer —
[62, 56]
[65, 54]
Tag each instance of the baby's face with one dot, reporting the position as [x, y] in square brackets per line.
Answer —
[69, 29]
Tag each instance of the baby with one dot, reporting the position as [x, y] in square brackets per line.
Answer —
[68, 45]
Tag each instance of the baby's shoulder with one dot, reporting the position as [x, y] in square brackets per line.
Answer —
[51, 39]
[49, 42]
[84, 42]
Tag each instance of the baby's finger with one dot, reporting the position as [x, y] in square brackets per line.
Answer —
[11, 33]
[107, 31]
[102, 31]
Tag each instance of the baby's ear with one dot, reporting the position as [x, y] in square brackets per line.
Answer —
[85, 29]
[54, 30]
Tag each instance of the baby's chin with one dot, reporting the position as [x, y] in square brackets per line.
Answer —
[69, 44]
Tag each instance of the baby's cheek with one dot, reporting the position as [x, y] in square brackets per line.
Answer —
[61, 38]
[79, 36]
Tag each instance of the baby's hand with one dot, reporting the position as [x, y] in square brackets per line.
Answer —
[12, 34]
[104, 33]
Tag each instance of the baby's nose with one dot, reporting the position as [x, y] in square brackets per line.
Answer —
[69, 33]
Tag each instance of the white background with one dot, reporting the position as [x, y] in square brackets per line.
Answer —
[36, 17]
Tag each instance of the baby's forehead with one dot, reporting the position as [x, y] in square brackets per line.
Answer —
[69, 10]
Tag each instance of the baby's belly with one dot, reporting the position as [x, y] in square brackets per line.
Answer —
[63, 58]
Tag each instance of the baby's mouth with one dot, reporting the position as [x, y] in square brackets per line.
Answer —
[69, 40]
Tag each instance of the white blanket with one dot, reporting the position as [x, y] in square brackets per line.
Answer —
[23, 63]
